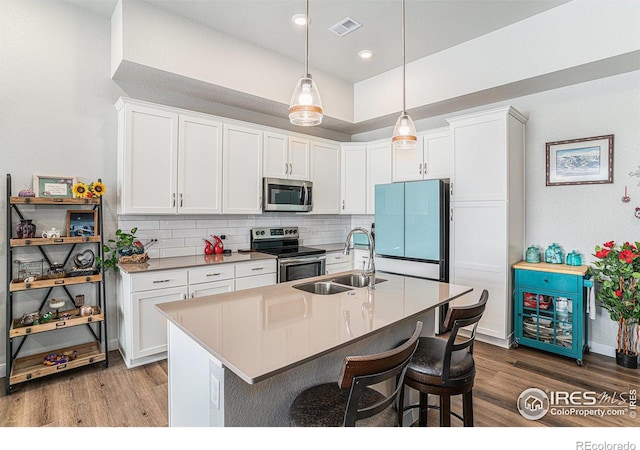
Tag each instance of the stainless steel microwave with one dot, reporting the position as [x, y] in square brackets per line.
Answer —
[287, 195]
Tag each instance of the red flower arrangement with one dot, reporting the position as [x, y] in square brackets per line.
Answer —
[617, 271]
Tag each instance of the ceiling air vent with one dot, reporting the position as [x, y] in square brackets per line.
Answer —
[345, 26]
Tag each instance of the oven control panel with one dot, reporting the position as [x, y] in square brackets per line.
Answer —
[274, 233]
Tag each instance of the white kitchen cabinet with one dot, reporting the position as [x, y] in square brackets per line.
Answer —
[211, 280]
[325, 175]
[286, 157]
[353, 179]
[428, 160]
[379, 157]
[487, 213]
[199, 165]
[169, 162]
[338, 262]
[242, 170]
[142, 332]
[360, 259]
[256, 274]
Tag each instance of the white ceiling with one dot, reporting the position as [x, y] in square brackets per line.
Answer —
[431, 26]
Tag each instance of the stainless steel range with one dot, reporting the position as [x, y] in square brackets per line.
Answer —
[294, 260]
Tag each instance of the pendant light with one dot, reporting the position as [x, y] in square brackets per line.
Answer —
[306, 106]
[404, 133]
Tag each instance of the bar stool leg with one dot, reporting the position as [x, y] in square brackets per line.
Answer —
[445, 411]
[467, 408]
[400, 406]
[424, 411]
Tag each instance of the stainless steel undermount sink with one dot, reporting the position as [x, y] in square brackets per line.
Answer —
[356, 280]
[322, 288]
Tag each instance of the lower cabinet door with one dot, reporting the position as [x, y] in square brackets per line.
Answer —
[256, 281]
[215, 287]
[150, 329]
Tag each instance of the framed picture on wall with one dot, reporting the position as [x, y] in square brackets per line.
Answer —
[82, 223]
[53, 186]
[580, 161]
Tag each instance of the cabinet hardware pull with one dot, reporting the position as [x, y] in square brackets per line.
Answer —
[290, 168]
[213, 274]
[424, 168]
[59, 282]
[451, 215]
[451, 189]
[58, 240]
[180, 199]
[258, 268]
[27, 242]
[193, 295]
[61, 366]
[342, 204]
[161, 281]
[61, 324]
[173, 199]
[420, 169]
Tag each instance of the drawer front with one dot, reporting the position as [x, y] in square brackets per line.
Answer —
[266, 279]
[546, 280]
[158, 280]
[338, 257]
[215, 272]
[255, 268]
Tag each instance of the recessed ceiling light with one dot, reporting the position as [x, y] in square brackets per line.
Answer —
[299, 19]
[365, 54]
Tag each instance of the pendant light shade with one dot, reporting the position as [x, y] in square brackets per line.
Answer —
[305, 108]
[404, 133]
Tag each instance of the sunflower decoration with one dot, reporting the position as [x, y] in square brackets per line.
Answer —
[80, 190]
[97, 188]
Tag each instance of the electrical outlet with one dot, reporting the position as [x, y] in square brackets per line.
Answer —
[222, 236]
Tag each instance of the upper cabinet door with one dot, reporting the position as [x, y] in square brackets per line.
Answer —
[354, 180]
[408, 164]
[437, 147]
[200, 166]
[276, 155]
[325, 175]
[378, 171]
[480, 156]
[147, 160]
[298, 159]
[242, 170]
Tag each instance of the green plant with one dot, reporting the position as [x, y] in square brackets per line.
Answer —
[112, 251]
[617, 270]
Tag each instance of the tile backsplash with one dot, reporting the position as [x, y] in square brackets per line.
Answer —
[183, 235]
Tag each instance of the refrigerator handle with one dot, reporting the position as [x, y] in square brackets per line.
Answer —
[451, 189]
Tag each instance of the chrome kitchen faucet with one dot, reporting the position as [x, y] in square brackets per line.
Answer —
[371, 270]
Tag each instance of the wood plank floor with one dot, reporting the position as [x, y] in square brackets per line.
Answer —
[121, 397]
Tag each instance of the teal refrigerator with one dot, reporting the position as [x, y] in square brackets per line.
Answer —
[412, 226]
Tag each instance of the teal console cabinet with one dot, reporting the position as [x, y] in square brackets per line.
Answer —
[549, 308]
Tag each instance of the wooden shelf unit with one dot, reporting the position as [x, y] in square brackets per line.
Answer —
[24, 368]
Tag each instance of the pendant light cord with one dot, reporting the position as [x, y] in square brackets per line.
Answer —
[404, 64]
[306, 46]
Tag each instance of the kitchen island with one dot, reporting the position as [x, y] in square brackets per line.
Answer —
[239, 359]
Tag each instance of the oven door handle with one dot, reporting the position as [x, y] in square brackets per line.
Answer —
[301, 260]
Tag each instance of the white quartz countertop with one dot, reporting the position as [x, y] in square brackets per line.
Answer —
[258, 333]
[193, 261]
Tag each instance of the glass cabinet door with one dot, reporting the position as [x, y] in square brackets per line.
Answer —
[547, 318]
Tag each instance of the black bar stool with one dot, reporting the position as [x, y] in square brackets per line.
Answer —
[446, 367]
[351, 400]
